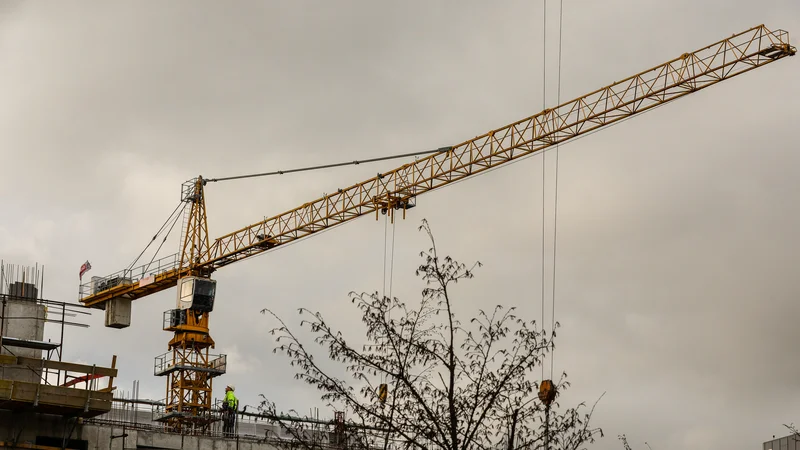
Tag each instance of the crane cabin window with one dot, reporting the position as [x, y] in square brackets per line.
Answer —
[185, 293]
[197, 294]
[204, 291]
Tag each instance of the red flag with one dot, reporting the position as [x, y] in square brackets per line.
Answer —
[85, 268]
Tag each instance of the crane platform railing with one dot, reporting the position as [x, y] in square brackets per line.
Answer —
[136, 276]
[165, 364]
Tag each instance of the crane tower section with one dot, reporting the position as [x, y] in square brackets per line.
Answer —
[188, 365]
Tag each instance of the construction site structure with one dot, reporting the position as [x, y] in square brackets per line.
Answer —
[36, 385]
[190, 381]
[47, 403]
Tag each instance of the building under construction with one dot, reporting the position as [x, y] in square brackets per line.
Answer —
[48, 403]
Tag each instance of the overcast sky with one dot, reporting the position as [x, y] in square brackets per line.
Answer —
[677, 250]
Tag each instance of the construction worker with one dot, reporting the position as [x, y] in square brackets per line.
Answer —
[229, 407]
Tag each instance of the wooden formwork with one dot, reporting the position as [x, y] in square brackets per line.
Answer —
[64, 399]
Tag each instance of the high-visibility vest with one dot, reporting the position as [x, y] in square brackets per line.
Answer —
[231, 400]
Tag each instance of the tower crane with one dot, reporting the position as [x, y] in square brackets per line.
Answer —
[190, 368]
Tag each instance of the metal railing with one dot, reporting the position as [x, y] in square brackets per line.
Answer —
[139, 414]
[129, 276]
[166, 363]
[160, 412]
[173, 318]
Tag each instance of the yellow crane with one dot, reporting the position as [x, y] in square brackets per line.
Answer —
[189, 366]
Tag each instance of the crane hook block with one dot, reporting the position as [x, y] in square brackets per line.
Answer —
[547, 392]
[383, 392]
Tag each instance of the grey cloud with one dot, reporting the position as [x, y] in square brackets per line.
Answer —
[676, 252]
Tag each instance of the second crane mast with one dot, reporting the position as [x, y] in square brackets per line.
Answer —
[192, 367]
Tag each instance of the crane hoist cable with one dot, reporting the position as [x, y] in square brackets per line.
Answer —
[383, 285]
[555, 200]
[385, 255]
[544, 155]
[547, 390]
[391, 262]
[555, 189]
[390, 258]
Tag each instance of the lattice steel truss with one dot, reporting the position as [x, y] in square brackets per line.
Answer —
[194, 238]
[190, 370]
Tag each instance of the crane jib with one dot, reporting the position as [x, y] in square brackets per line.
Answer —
[397, 189]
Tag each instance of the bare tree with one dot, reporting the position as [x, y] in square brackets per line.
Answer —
[625, 444]
[424, 380]
[298, 432]
[793, 429]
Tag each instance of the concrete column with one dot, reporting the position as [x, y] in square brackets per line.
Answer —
[23, 318]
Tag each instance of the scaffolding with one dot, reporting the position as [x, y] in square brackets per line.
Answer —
[280, 431]
[33, 375]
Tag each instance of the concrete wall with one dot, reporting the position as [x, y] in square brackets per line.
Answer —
[27, 426]
[22, 319]
[99, 438]
[784, 443]
[247, 427]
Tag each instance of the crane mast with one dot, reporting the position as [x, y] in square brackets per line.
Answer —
[192, 368]
[188, 365]
[194, 243]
